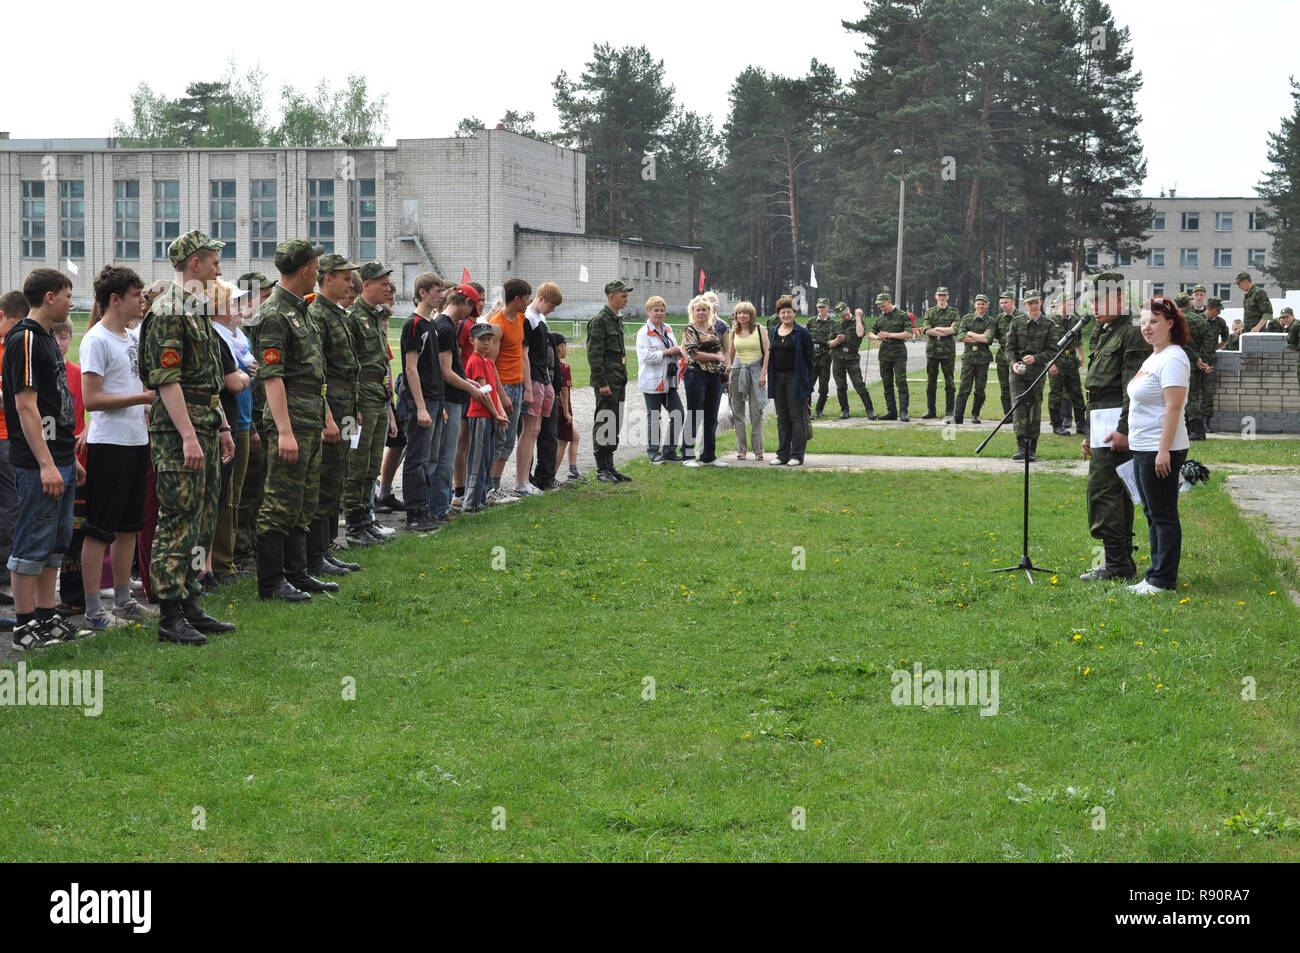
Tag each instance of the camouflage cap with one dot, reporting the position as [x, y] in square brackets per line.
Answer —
[1200, 288]
[883, 297]
[1242, 276]
[1286, 311]
[334, 262]
[841, 307]
[1182, 299]
[252, 280]
[941, 290]
[823, 302]
[1033, 294]
[372, 270]
[616, 286]
[184, 247]
[1214, 302]
[1011, 295]
[292, 254]
[983, 298]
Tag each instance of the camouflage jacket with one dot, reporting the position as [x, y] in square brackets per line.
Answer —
[178, 345]
[943, 348]
[606, 350]
[974, 324]
[288, 347]
[1118, 350]
[895, 321]
[370, 337]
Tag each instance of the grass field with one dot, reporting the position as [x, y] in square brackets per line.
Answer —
[520, 693]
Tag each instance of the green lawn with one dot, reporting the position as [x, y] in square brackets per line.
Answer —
[523, 689]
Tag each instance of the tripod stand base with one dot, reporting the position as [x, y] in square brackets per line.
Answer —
[1027, 565]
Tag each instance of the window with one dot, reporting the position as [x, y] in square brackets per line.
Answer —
[33, 224]
[1255, 257]
[1191, 221]
[126, 218]
[625, 271]
[1189, 258]
[1158, 221]
[1223, 258]
[1222, 291]
[1123, 259]
[1223, 221]
[1156, 258]
[1255, 222]
[678, 272]
[657, 266]
[72, 218]
[166, 215]
[223, 215]
[1090, 257]
[262, 219]
[320, 212]
[1158, 289]
[367, 220]
[647, 267]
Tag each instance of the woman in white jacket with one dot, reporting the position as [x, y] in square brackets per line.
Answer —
[657, 354]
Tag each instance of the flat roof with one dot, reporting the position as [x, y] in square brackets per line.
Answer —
[605, 238]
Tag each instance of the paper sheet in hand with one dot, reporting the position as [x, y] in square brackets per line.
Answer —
[1125, 472]
[356, 438]
[1102, 423]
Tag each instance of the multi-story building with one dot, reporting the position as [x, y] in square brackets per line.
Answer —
[496, 204]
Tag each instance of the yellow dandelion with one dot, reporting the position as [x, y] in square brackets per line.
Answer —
[817, 742]
[1077, 638]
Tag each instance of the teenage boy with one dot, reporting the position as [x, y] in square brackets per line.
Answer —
[420, 406]
[13, 308]
[460, 304]
[117, 446]
[482, 421]
[39, 414]
[539, 401]
[515, 370]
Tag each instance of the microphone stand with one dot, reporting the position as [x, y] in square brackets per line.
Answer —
[1026, 564]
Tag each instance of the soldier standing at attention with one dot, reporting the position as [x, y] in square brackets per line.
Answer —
[180, 358]
[1118, 351]
[940, 323]
[1064, 382]
[977, 332]
[893, 329]
[845, 342]
[822, 329]
[1258, 310]
[1006, 314]
[607, 358]
[1198, 300]
[292, 369]
[1221, 336]
[368, 320]
[1199, 348]
[1030, 343]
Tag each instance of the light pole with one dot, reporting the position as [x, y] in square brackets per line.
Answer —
[898, 262]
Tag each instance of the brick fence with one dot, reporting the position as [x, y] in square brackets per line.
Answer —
[1258, 382]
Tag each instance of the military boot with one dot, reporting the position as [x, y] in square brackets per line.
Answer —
[200, 620]
[866, 405]
[843, 398]
[1033, 449]
[317, 548]
[821, 405]
[295, 565]
[173, 627]
[271, 583]
[1118, 562]
[357, 534]
[1021, 450]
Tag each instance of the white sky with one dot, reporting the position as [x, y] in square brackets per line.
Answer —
[1215, 74]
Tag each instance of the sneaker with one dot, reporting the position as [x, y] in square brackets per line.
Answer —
[1145, 588]
[422, 524]
[103, 620]
[794, 462]
[62, 630]
[134, 611]
[657, 458]
[458, 502]
[360, 536]
[692, 463]
[380, 532]
[499, 495]
[717, 462]
[777, 462]
[390, 503]
[669, 456]
[577, 478]
[32, 637]
[526, 489]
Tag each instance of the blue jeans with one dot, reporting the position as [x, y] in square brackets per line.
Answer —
[482, 451]
[443, 454]
[418, 464]
[655, 407]
[43, 530]
[703, 397]
[1160, 504]
[505, 443]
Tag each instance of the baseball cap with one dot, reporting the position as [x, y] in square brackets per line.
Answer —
[618, 284]
[1242, 276]
[941, 290]
[480, 329]
[1033, 294]
[883, 297]
[184, 247]
[983, 298]
[335, 262]
[372, 270]
[292, 254]
[470, 292]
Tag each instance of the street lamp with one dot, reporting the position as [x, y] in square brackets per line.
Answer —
[898, 262]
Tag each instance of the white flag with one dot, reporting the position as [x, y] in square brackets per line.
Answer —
[582, 273]
[72, 267]
[813, 280]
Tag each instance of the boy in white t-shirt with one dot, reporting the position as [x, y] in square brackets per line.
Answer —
[117, 445]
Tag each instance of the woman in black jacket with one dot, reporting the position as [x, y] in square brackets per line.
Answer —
[790, 384]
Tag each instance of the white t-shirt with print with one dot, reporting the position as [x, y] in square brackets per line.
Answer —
[113, 359]
[1146, 394]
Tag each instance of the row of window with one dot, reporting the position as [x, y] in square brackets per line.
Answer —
[263, 209]
[1191, 221]
[1220, 289]
[654, 270]
[1187, 258]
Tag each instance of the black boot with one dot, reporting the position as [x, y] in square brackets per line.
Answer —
[317, 548]
[1033, 449]
[866, 405]
[328, 529]
[960, 415]
[949, 399]
[357, 534]
[843, 398]
[1118, 563]
[821, 405]
[295, 565]
[1020, 451]
[618, 475]
[173, 627]
[890, 412]
[271, 583]
[200, 620]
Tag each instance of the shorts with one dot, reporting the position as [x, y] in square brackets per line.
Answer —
[115, 478]
[543, 400]
[506, 441]
[398, 442]
[563, 428]
[43, 530]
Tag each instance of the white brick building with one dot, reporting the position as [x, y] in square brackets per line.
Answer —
[499, 204]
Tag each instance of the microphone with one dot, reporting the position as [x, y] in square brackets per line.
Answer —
[1072, 333]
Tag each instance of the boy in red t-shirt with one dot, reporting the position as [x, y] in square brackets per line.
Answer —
[482, 425]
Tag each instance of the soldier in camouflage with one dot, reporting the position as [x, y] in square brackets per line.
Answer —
[1031, 343]
[1257, 309]
[1064, 383]
[1006, 314]
[940, 323]
[845, 344]
[180, 358]
[607, 359]
[1199, 349]
[977, 332]
[822, 328]
[258, 287]
[893, 329]
[1219, 327]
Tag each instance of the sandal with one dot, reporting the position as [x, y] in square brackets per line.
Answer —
[740, 454]
[758, 456]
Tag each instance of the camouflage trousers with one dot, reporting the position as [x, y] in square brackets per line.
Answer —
[364, 462]
[1193, 410]
[250, 497]
[334, 458]
[848, 371]
[292, 489]
[187, 512]
[1110, 508]
[1028, 418]
[822, 377]
[1004, 383]
[1066, 384]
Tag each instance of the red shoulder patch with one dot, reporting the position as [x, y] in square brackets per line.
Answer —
[169, 358]
[271, 356]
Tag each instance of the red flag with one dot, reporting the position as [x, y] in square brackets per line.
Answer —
[701, 280]
[464, 276]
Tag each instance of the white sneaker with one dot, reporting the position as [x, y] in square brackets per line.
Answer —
[103, 620]
[692, 463]
[1145, 588]
[133, 610]
[502, 496]
[776, 462]
[794, 462]
[717, 462]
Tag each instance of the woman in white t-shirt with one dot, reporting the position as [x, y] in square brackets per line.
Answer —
[1157, 435]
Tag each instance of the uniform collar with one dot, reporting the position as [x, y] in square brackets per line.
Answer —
[288, 297]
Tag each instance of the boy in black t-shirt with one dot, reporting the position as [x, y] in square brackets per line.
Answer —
[420, 406]
[39, 414]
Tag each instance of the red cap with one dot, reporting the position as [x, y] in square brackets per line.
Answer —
[469, 291]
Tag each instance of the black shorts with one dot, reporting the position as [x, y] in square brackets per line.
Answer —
[400, 440]
[115, 479]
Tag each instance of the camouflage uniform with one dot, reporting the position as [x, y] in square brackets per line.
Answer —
[1199, 347]
[1003, 364]
[975, 360]
[1293, 342]
[822, 331]
[1255, 305]
[893, 358]
[846, 362]
[1065, 384]
[1036, 337]
[373, 370]
[1221, 336]
[940, 354]
[607, 358]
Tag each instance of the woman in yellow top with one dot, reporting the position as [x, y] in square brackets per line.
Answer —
[747, 389]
